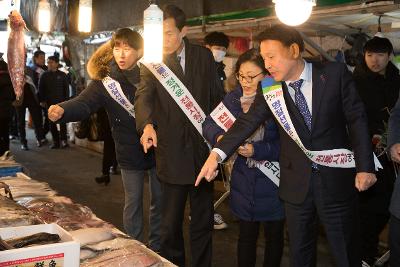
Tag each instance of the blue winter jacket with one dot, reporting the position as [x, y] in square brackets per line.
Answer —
[254, 197]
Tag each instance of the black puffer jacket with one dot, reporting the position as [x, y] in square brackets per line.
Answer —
[129, 151]
[379, 94]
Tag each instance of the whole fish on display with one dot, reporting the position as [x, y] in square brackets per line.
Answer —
[16, 52]
[35, 239]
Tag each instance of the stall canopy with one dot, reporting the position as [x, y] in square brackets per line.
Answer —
[342, 16]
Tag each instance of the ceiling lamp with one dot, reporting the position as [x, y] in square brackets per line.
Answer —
[44, 16]
[153, 34]
[293, 12]
[85, 16]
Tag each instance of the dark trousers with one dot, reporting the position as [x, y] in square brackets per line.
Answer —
[394, 241]
[58, 135]
[36, 113]
[247, 243]
[339, 218]
[374, 210]
[109, 158]
[372, 225]
[14, 123]
[201, 223]
[4, 135]
[46, 122]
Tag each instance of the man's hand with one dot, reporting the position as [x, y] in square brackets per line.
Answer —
[149, 138]
[365, 180]
[246, 151]
[395, 152]
[209, 169]
[55, 113]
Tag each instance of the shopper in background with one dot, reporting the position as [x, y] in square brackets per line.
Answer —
[54, 89]
[117, 59]
[109, 161]
[29, 99]
[218, 43]
[378, 83]
[254, 196]
[38, 67]
[7, 96]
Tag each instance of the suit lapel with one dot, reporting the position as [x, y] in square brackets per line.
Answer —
[318, 89]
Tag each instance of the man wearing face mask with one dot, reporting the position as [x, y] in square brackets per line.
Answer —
[218, 43]
[180, 149]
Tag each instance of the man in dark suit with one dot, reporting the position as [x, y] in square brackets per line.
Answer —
[327, 114]
[180, 150]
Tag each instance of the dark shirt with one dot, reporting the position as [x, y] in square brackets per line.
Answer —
[7, 95]
[379, 94]
[53, 87]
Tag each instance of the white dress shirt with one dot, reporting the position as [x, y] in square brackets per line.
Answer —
[306, 87]
[181, 55]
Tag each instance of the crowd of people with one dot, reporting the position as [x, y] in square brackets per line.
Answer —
[44, 85]
[162, 124]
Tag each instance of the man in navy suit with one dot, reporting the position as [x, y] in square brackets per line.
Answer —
[327, 113]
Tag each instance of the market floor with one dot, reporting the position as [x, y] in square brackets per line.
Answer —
[71, 172]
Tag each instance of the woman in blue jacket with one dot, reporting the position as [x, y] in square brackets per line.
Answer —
[254, 197]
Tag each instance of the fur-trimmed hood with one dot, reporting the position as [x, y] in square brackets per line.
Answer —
[98, 66]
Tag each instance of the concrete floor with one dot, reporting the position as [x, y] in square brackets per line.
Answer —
[71, 172]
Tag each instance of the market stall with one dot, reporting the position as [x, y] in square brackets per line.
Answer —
[30, 203]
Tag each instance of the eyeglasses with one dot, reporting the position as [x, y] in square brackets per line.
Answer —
[249, 79]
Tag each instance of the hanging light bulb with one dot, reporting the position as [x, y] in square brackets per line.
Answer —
[44, 16]
[293, 12]
[153, 34]
[85, 16]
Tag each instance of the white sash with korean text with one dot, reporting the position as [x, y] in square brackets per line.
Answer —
[115, 91]
[339, 158]
[224, 119]
[179, 93]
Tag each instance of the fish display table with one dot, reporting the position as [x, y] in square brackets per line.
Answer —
[101, 244]
[8, 166]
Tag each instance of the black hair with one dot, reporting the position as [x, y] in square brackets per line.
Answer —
[217, 38]
[126, 35]
[54, 58]
[172, 11]
[37, 53]
[378, 45]
[284, 34]
[251, 55]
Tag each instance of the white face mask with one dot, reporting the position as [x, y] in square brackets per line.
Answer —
[218, 54]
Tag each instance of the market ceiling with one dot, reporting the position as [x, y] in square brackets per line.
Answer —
[237, 17]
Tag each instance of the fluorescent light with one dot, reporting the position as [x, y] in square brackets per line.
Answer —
[85, 16]
[153, 34]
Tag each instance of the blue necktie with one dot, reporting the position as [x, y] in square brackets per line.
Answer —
[302, 106]
[301, 102]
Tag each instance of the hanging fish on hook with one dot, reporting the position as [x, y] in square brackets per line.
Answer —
[16, 52]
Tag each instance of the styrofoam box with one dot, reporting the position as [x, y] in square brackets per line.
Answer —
[64, 254]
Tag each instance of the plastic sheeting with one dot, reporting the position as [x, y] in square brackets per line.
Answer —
[58, 11]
